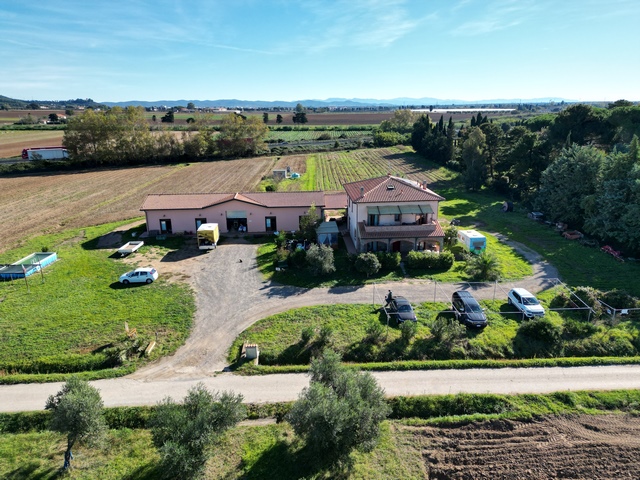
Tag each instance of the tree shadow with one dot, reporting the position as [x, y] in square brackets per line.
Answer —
[148, 471]
[32, 471]
[283, 462]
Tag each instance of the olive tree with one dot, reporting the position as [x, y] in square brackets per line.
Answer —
[183, 434]
[77, 411]
[340, 411]
[367, 263]
[320, 259]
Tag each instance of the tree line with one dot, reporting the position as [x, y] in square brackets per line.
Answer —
[580, 166]
[122, 136]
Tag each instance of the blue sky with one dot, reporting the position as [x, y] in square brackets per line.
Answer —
[311, 49]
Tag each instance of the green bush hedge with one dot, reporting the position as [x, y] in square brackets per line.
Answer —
[69, 363]
[429, 260]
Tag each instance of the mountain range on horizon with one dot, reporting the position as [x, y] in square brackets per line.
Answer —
[335, 102]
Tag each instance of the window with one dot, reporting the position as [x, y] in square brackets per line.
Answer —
[397, 217]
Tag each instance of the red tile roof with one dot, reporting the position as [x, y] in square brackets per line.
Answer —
[192, 201]
[389, 189]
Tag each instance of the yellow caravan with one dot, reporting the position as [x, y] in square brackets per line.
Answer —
[208, 235]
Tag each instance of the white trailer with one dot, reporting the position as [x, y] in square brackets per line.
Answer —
[45, 153]
[473, 241]
[130, 247]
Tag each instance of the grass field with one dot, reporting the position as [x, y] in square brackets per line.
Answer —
[456, 434]
[81, 308]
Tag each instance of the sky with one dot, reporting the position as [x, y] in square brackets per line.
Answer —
[583, 50]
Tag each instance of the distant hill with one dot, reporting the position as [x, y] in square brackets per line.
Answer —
[365, 103]
[332, 102]
[15, 103]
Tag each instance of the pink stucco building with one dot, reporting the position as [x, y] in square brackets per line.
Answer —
[251, 212]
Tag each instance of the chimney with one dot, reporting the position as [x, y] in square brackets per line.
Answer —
[361, 192]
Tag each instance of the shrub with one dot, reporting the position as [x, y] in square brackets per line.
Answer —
[450, 235]
[541, 329]
[297, 258]
[408, 330]
[307, 334]
[483, 267]
[429, 260]
[447, 330]
[389, 261]
[320, 259]
[325, 337]
[367, 263]
[324, 136]
[375, 331]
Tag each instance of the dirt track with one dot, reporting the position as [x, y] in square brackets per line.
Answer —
[231, 296]
[579, 447]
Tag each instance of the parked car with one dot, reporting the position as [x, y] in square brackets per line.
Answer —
[139, 275]
[526, 302]
[467, 309]
[401, 310]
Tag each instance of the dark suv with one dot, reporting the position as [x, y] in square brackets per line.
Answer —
[468, 310]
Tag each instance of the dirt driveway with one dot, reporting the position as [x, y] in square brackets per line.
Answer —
[231, 295]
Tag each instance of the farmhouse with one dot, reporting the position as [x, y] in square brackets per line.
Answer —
[393, 214]
[383, 214]
[236, 212]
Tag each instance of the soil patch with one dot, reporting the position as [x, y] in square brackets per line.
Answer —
[579, 447]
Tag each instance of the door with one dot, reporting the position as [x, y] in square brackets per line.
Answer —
[200, 221]
[270, 224]
[165, 226]
[373, 220]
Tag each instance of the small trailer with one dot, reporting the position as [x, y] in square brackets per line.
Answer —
[130, 247]
[208, 235]
[473, 241]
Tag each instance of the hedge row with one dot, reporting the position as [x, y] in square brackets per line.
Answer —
[61, 377]
[250, 369]
[459, 408]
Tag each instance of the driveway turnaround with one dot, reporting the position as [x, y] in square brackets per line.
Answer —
[286, 387]
[231, 295]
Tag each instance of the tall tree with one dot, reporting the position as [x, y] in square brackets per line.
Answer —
[494, 140]
[278, 119]
[241, 135]
[566, 183]
[77, 411]
[265, 117]
[474, 159]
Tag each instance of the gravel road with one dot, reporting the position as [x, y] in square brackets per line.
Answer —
[286, 387]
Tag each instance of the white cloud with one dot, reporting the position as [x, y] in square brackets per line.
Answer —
[497, 15]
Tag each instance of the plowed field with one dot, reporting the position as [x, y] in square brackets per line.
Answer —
[578, 447]
[34, 204]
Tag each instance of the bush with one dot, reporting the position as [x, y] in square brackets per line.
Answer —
[483, 267]
[367, 263]
[408, 330]
[375, 331]
[325, 337]
[541, 329]
[429, 260]
[389, 261]
[307, 334]
[320, 259]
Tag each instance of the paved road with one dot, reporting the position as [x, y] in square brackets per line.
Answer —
[284, 387]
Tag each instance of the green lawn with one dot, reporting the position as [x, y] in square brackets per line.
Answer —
[576, 264]
[281, 342]
[63, 324]
[512, 267]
